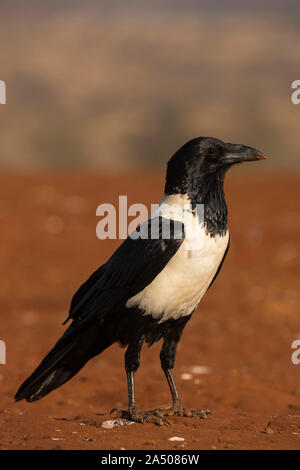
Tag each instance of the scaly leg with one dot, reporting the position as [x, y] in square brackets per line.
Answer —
[177, 407]
[167, 357]
[132, 362]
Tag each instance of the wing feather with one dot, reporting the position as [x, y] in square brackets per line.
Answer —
[133, 266]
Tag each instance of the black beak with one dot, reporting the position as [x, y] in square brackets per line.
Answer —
[236, 153]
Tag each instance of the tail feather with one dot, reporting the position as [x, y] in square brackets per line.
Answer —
[72, 351]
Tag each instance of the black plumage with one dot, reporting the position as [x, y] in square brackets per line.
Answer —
[128, 299]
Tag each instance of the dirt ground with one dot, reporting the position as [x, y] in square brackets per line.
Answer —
[241, 334]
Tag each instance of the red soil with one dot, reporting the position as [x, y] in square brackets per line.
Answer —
[242, 331]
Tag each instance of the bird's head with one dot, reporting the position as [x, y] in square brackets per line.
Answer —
[204, 159]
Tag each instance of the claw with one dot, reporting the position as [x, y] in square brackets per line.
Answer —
[203, 414]
[158, 415]
[179, 410]
[114, 410]
[138, 417]
[157, 418]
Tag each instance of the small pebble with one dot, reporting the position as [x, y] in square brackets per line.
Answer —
[197, 382]
[186, 376]
[200, 370]
[177, 439]
[117, 422]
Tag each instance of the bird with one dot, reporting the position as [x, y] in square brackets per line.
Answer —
[152, 284]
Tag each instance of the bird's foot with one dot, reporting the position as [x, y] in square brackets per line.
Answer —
[178, 410]
[138, 417]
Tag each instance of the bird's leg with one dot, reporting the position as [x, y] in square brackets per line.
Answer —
[170, 379]
[167, 357]
[132, 414]
[132, 362]
[131, 393]
[177, 408]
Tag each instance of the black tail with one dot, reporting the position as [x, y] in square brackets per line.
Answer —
[66, 358]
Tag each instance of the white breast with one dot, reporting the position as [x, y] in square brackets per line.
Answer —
[179, 287]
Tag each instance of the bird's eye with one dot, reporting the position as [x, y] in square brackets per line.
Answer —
[214, 151]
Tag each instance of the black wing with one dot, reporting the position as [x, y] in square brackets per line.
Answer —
[130, 269]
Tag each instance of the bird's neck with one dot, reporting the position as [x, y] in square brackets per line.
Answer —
[210, 193]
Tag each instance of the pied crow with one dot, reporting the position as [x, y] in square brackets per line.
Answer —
[150, 287]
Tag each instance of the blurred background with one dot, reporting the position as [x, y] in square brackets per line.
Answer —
[118, 85]
[99, 95]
